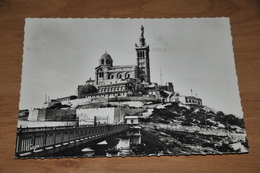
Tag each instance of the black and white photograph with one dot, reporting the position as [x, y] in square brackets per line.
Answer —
[128, 87]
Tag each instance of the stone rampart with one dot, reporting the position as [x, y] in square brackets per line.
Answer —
[52, 115]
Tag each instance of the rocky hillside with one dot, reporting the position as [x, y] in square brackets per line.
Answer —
[195, 116]
[183, 130]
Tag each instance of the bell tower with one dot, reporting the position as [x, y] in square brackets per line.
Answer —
[143, 61]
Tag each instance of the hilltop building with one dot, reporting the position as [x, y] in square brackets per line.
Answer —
[126, 82]
[116, 95]
[123, 80]
[190, 100]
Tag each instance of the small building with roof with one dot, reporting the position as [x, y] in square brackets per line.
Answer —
[190, 100]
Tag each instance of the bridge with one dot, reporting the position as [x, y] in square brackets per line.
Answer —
[49, 141]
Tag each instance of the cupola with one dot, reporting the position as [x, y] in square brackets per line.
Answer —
[106, 60]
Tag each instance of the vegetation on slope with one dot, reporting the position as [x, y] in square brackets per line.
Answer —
[194, 116]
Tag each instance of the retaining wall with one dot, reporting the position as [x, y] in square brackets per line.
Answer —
[52, 115]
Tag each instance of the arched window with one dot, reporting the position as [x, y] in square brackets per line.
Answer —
[100, 73]
[127, 75]
[102, 61]
[113, 89]
[119, 76]
[107, 61]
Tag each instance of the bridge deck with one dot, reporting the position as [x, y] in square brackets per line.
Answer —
[31, 141]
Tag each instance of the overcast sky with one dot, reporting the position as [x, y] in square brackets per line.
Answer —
[197, 54]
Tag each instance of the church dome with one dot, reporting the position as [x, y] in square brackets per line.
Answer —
[106, 56]
[106, 60]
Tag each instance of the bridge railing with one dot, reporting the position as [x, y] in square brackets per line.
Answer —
[31, 129]
[33, 140]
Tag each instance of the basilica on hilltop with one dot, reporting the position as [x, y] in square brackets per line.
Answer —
[122, 80]
[128, 82]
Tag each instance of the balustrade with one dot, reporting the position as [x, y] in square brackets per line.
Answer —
[37, 139]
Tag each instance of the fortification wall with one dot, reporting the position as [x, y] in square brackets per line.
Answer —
[59, 115]
[76, 102]
[132, 111]
[119, 115]
[110, 115]
[145, 98]
[136, 104]
[33, 115]
[41, 115]
[52, 115]
[103, 116]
